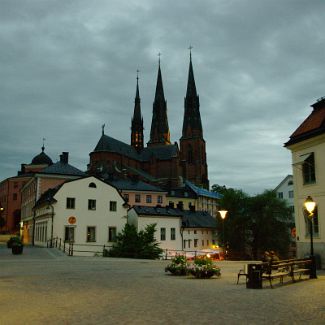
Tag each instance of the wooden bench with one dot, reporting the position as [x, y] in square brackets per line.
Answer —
[280, 269]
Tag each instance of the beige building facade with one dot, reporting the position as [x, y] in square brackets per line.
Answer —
[307, 146]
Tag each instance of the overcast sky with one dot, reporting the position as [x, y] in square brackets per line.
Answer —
[67, 67]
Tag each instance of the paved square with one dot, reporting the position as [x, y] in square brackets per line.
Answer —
[43, 287]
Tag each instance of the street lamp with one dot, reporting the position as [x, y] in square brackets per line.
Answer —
[223, 216]
[2, 220]
[310, 205]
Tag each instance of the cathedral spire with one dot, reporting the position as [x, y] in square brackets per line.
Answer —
[137, 121]
[192, 125]
[159, 133]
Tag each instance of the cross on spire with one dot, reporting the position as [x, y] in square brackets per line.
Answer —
[159, 55]
[103, 127]
[138, 74]
[43, 147]
[190, 48]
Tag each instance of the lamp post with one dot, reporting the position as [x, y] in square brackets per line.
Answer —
[223, 214]
[310, 205]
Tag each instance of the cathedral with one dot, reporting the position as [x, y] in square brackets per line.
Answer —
[160, 162]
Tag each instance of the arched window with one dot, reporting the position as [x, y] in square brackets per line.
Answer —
[92, 185]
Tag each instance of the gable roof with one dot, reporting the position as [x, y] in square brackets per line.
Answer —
[190, 219]
[63, 169]
[203, 192]
[312, 126]
[127, 184]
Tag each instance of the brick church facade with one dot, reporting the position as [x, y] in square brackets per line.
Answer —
[160, 162]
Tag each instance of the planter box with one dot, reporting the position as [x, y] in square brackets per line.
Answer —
[17, 249]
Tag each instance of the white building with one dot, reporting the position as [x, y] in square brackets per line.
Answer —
[86, 211]
[285, 191]
[177, 229]
[307, 146]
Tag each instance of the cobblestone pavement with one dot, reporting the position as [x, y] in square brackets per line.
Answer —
[42, 287]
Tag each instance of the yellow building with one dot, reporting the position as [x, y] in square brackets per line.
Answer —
[307, 146]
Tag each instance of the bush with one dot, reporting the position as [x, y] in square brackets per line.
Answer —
[178, 266]
[13, 240]
[203, 268]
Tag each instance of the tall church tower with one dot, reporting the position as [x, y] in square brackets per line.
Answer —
[159, 133]
[192, 144]
[137, 122]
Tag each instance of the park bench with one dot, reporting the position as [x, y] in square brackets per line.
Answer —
[280, 269]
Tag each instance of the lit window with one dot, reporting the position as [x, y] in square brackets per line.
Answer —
[91, 234]
[91, 204]
[112, 205]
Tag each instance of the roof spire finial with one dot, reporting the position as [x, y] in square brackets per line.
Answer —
[138, 75]
[190, 48]
[103, 127]
[43, 147]
[159, 55]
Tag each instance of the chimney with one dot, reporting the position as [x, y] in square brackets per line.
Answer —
[64, 158]
[180, 205]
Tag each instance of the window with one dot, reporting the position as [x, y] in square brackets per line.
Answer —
[112, 234]
[159, 199]
[148, 198]
[280, 195]
[290, 183]
[172, 234]
[92, 185]
[14, 196]
[195, 242]
[202, 242]
[71, 202]
[185, 194]
[195, 231]
[126, 197]
[15, 184]
[292, 208]
[290, 194]
[137, 198]
[308, 169]
[91, 234]
[208, 242]
[162, 233]
[112, 205]
[91, 204]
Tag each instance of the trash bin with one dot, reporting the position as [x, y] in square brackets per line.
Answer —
[254, 277]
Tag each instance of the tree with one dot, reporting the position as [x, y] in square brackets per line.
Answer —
[132, 244]
[254, 224]
[269, 223]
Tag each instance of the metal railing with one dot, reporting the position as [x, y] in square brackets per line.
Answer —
[69, 247]
[170, 253]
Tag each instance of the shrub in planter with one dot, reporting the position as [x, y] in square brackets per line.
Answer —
[17, 248]
[178, 266]
[203, 268]
[13, 240]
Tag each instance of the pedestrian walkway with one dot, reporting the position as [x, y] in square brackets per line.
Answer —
[41, 288]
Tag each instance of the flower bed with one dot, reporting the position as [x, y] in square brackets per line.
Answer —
[201, 268]
[178, 266]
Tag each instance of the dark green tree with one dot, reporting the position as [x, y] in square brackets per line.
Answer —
[254, 224]
[269, 223]
[130, 243]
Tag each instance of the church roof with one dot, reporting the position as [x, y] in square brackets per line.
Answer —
[202, 191]
[109, 144]
[312, 126]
